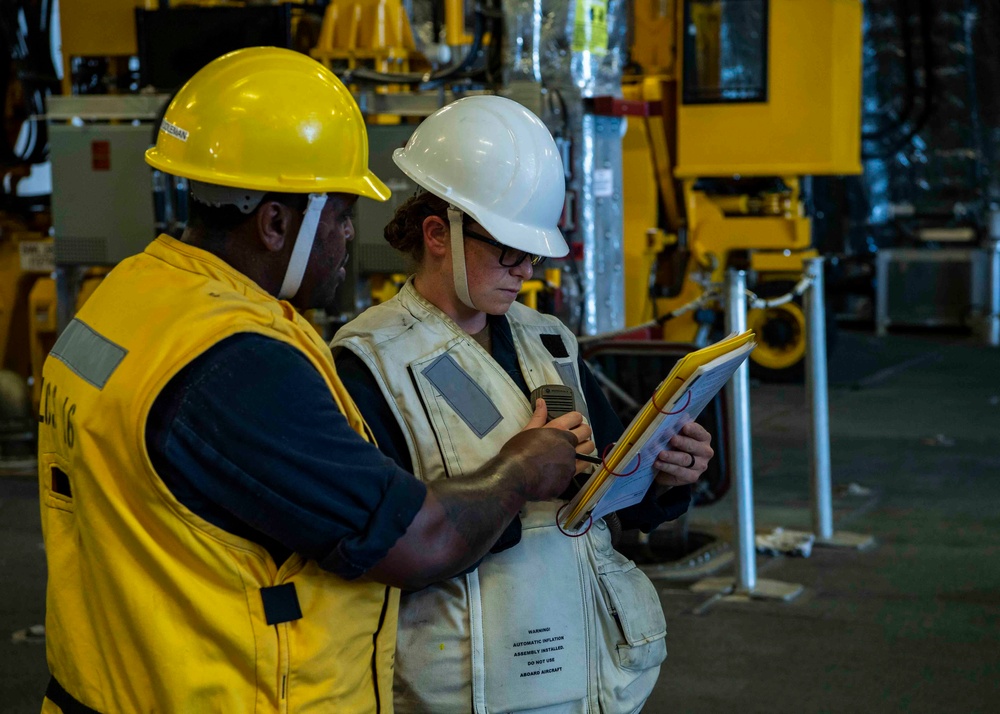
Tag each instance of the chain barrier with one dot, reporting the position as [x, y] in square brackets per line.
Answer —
[713, 293]
[755, 302]
[702, 299]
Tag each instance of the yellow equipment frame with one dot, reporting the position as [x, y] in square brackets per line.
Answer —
[811, 121]
[809, 125]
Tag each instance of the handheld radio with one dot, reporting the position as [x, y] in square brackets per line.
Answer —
[559, 400]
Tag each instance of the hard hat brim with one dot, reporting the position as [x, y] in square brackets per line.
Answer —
[521, 236]
[548, 242]
[369, 185]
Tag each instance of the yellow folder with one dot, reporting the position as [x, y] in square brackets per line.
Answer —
[685, 368]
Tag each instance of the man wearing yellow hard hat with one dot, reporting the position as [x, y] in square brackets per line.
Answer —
[220, 536]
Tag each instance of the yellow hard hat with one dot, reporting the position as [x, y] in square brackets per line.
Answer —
[267, 119]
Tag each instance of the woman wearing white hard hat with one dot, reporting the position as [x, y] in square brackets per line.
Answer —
[442, 373]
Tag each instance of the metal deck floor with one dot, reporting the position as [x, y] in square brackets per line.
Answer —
[911, 625]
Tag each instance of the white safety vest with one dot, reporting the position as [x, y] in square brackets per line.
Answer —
[554, 624]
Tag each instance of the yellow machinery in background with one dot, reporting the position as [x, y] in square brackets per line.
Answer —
[711, 170]
[106, 29]
[27, 317]
[102, 29]
[373, 33]
[742, 99]
[28, 324]
[27, 332]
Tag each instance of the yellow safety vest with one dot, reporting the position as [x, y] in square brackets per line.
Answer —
[150, 607]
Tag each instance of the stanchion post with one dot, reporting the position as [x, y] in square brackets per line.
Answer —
[993, 319]
[741, 467]
[816, 393]
[740, 450]
[819, 410]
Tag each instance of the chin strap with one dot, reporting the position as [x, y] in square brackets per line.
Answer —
[303, 247]
[458, 272]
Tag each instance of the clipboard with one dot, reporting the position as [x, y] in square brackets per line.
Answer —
[627, 470]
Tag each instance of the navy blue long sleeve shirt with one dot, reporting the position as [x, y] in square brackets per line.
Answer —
[248, 437]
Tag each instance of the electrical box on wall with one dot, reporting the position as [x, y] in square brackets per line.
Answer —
[102, 188]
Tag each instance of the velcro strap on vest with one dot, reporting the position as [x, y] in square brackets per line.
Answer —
[467, 398]
[64, 700]
[281, 604]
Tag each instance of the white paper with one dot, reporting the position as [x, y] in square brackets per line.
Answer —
[689, 401]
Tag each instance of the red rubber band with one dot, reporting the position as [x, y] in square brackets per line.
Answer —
[573, 535]
[604, 462]
[686, 404]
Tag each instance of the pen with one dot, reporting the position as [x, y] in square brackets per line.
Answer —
[591, 459]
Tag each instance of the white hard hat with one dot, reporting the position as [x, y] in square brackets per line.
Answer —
[495, 160]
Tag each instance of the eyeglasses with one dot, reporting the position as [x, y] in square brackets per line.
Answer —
[509, 257]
